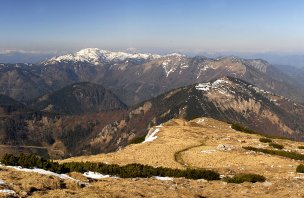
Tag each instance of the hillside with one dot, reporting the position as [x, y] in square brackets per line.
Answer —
[231, 100]
[210, 144]
[77, 99]
[214, 145]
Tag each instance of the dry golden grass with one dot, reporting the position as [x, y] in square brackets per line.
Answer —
[182, 144]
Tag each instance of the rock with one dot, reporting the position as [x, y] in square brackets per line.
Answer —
[223, 147]
[267, 184]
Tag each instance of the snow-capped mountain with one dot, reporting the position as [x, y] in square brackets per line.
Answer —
[97, 56]
[136, 77]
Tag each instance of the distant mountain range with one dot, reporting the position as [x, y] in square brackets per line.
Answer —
[138, 77]
[15, 56]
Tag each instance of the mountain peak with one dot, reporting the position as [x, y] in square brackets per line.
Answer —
[97, 56]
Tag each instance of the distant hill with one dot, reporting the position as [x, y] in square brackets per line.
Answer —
[79, 98]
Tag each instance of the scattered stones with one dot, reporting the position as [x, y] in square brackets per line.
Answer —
[223, 147]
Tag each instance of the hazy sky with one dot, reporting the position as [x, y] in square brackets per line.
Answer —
[153, 25]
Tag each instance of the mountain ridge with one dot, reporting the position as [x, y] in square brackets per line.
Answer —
[84, 97]
[138, 77]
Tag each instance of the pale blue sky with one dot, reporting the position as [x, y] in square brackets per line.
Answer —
[153, 25]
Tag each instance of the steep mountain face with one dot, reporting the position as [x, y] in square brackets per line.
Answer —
[233, 100]
[79, 98]
[138, 77]
[227, 99]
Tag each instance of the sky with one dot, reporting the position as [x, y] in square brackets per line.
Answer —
[188, 26]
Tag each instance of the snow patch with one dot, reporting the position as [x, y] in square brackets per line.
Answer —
[151, 136]
[95, 175]
[41, 171]
[219, 85]
[2, 182]
[163, 178]
[200, 121]
[8, 192]
[203, 86]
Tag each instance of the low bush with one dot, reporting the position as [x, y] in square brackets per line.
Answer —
[137, 140]
[300, 147]
[291, 155]
[127, 171]
[244, 129]
[240, 178]
[241, 128]
[300, 168]
[277, 146]
[265, 140]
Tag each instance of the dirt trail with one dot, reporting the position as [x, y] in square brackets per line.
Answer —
[179, 158]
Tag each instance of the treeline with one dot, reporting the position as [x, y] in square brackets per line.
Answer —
[127, 171]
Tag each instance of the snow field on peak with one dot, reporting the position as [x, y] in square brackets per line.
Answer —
[214, 85]
[96, 56]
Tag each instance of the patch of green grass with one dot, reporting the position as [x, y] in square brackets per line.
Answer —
[277, 146]
[265, 140]
[240, 178]
[300, 147]
[300, 168]
[291, 155]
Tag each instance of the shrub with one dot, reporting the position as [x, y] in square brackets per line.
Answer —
[127, 171]
[137, 140]
[277, 146]
[240, 178]
[300, 168]
[300, 147]
[291, 155]
[241, 128]
[265, 140]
